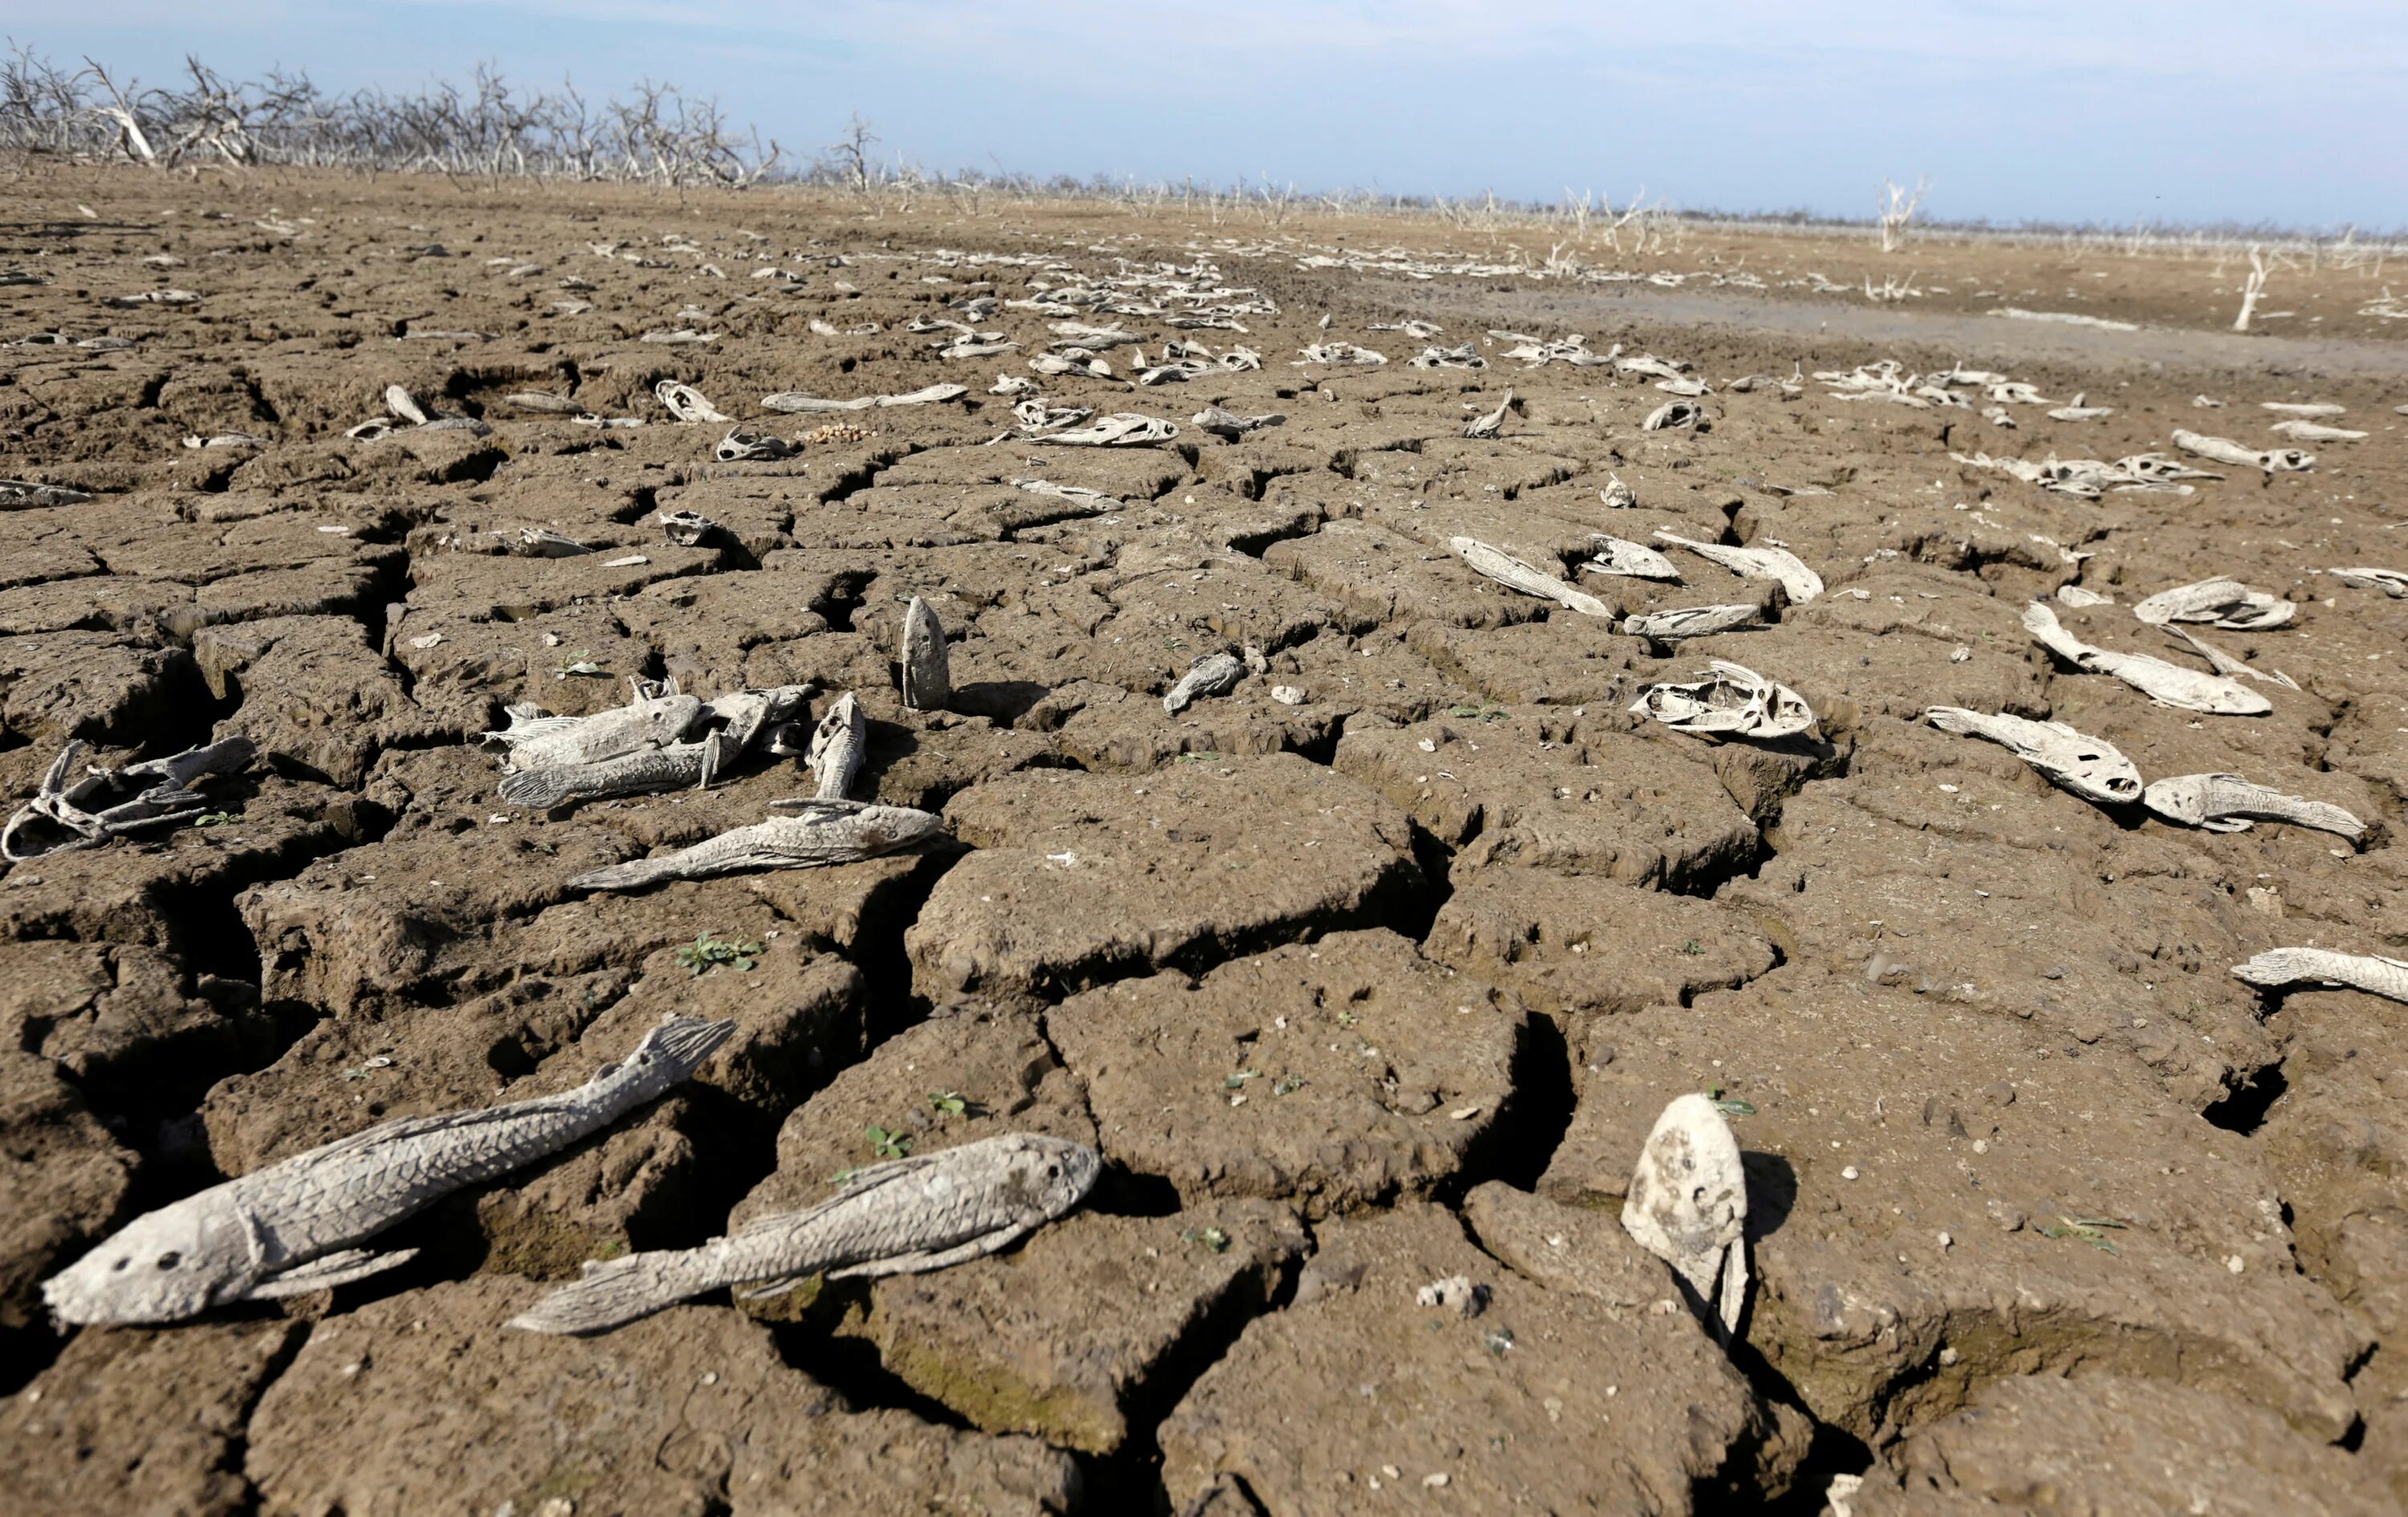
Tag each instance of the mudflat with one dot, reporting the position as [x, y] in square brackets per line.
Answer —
[1367, 969]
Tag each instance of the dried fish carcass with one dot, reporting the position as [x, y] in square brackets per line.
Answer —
[1727, 700]
[1687, 1206]
[2089, 767]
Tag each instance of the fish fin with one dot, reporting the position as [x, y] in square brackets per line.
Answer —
[537, 789]
[773, 1287]
[325, 1273]
[683, 1043]
[927, 1259]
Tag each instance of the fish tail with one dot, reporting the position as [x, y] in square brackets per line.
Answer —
[633, 875]
[536, 789]
[676, 1049]
[614, 1292]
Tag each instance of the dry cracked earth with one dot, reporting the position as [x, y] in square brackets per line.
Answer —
[1352, 993]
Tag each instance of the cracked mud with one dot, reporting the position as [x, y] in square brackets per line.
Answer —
[1368, 970]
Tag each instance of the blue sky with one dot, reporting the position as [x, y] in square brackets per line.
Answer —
[2085, 110]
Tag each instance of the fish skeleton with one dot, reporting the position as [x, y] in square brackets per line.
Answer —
[291, 1228]
[2092, 769]
[827, 832]
[2228, 803]
[908, 1215]
[1514, 574]
[2168, 684]
[1776, 564]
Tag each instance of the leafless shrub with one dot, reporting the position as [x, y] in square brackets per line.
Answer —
[1898, 208]
[656, 134]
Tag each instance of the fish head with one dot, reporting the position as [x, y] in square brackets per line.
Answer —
[1045, 1177]
[887, 827]
[165, 1266]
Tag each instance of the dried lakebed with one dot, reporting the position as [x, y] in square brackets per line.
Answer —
[1368, 967]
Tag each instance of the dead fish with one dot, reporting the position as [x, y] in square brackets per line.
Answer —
[2077, 595]
[2224, 663]
[927, 1211]
[687, 529]
[838, 744]
[291, 1228]
[1339, 353]
[643, 772]
[2225, 451]
[1687, 1206]
[795, 402]
[1689, 622]
[1675, 414]
[1463, 355]
[34, 493]
[742, 447]
[827, 832]
[1514, 574]
[1637, 561]
[2316, 432]
[686, 403]
[542, 542]
[1489, 423]
[538, 400]
[1727, 700]
[2228, 803]
[1214, 674]
[2168, 684]
[1230, 424]
[2227, 603]
[404, 405]
[1778, 564]
[927, 674]
[533, 741]
[2372, 973]
[1095, 501]
[1617, 495]
[2077, 411]
[2303, 407]
[1123, 429]
[2392, 582]
[2092, 769]
[115, 802]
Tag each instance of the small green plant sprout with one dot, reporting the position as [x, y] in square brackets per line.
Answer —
[580, 662]
[1237, 1081]
[1211, 1238]
[1731, 1104]
[1499, 1340]
[218, 819]
[1691, 948]
[1196, 758]
[706, 953]
[1477, 713]
[948, 1103]
[2087, 1229]
[1287, 1084]
[889, 1145]
[1347, 1018]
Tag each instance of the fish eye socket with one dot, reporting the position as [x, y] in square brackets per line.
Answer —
[1052, 1171]
[171, 1259]
[120, 1264]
